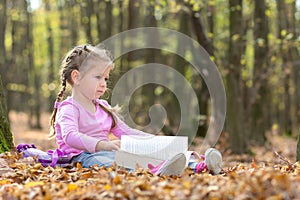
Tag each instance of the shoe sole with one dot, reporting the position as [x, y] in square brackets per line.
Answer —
[213, 160]
[174, 166]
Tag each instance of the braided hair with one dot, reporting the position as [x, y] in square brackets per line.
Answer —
[74, 60]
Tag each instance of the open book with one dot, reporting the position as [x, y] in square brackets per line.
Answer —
[142, 150]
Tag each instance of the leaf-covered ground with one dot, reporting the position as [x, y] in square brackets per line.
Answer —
[270, 172]
[26, 179]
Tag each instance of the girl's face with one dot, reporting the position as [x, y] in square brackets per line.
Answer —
[92, 84]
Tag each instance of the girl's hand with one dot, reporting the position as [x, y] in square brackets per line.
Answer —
[107, 145]
[116, 142]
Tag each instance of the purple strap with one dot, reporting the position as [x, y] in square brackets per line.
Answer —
[21, 147]
[56, 154]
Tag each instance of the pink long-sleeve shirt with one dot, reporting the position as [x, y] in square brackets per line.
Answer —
[79, 130]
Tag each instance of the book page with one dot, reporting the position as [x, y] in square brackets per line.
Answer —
[159, 147]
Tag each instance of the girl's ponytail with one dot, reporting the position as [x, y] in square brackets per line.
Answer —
[57, 101]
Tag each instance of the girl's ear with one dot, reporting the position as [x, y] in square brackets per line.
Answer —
[75, 77]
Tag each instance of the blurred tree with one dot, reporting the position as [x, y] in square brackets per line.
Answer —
[34, 90]
[3, 60]
[235, 123]
[202, 92]
[287, 33]
[260, 97]
[6, 139]
[286, 66]
[50, 43]
[18, 57]
[87, 10]
[151, 56]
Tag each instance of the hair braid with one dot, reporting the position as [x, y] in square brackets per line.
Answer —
[58, 99]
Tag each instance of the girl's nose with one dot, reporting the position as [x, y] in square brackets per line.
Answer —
[102, 82]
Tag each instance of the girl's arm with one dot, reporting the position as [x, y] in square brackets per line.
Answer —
[68, 119]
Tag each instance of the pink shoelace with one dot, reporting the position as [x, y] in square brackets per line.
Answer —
[201, 165]
[156, 169]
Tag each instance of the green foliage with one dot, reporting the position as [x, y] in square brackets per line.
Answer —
[4, 144]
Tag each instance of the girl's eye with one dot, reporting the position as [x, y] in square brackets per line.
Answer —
[99, 77]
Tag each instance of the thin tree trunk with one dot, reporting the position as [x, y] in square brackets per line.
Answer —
[199, 30]
[150, 57]
[289, 57]
[65, 40]
[86, 18]
[235, 112]
[295, 62]
[3, 17]
[98, 12]
[3, 59]
[133, 17]
[210, 19]
[261, 95]
[51, 67]
[108, 19]
[200, 88]
[74, 23]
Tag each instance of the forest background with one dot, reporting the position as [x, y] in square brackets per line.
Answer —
[255, 45]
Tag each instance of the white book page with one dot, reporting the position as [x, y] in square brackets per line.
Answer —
[159, 147]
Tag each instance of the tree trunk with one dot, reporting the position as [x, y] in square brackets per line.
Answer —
[261, 95]
[6, 139]
[150, 57]
[290, 66]
[51, 67]
[108, 20]
[199, 85]
[86, 18]
[74, 22]
[180, 65]
[35, 97]
[65, 39]
[19, 57]
[200, 32]
[3, 64]
[133, 19]
[235, 112]
[295, 63]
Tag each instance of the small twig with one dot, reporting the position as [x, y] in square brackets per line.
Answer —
[282, 158]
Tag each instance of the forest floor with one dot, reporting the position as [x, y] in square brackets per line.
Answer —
[270, 172]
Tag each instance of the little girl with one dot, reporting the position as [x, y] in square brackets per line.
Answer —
[82, 121]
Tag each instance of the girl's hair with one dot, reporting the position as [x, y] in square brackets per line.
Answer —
[77, 59]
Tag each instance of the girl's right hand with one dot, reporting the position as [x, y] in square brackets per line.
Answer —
[106, 146]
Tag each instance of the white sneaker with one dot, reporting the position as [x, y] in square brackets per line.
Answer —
[173, 166]
[213, 160]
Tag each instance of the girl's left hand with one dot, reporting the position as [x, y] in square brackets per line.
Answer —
[116, 142]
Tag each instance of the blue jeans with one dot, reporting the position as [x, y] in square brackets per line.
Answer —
[104, 158]
[101, 158]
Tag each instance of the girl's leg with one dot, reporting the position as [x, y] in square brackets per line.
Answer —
[101, 158]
